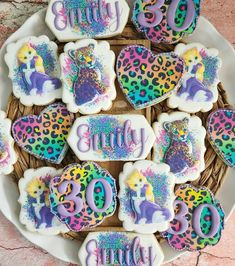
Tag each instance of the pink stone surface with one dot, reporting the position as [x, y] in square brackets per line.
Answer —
[15, 249]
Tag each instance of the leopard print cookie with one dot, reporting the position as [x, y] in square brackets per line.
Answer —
[221, 131]
[83, 196]
[198, 222]
[44, 136]
[145, 78]
[166, 21]
[88, 76]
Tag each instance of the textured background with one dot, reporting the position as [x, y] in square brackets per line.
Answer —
[14, 249]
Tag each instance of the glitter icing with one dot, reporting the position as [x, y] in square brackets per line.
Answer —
[88, 76]
[221, 130]
[35, 211]
[83, 196]
[81, 19]
[111, 137]
[120, 248]
[199, 87]
[34, 70]
[166, 21]
[44, 136]
[147, 79]
[146, 196]
[180, 144]
[7, 153]
[190, 239]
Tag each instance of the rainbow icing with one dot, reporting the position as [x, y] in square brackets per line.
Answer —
[194, 224]
[83, 196]
[221, 129]
[44, 136]
[166, 21]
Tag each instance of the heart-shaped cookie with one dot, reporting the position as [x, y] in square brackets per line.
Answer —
[147, 79]
[44, 136]
[221, 131]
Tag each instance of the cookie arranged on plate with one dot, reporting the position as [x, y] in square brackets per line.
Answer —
[8, 155]
[88, 76]
[221, 131]
[34, 70]
[198, 222]
[120, 248]
[45, 136]
[111, 137]
[35, 211]
[180, 144]
[73, 20]
[145, 78]
[146, 197]
[199, 90]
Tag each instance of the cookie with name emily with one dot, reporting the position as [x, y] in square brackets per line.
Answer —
[111, 137]
[72, 20]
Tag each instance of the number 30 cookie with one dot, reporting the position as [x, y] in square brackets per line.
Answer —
[166, 21]
[198, 222]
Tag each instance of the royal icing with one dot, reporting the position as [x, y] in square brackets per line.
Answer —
[34, 70]
[8, 156]
[35, 211]
[198, 91]
[221, 131]
[166, 21]
[88, 76]
[111, 137]
[180, 144]
[198, 222]
[120, 248]
[82, 192]
[147, 79]
[72, 20]
[44, 136]
[146, 196]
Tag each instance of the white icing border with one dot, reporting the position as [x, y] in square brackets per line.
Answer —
[29, 175]
[101, 48]
[128, 222]
[175, 101]
[194, 124]
[11, 60]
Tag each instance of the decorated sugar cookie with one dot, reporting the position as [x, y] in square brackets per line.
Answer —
[120, 248]
[146, 196]
[8, 156]
[198, 91]
[180, 144]
[88, 76]
[35, 211]
[111, 137]
[221, 131]
[166, 21]
[83, 196]
[147, 79]
[44, 136]
[72, 20]
[198, 222]
[34, 70]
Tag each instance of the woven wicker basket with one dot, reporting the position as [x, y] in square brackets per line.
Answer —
[212, 177]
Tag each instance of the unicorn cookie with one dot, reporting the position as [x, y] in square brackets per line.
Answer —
[180, 144]
[198, 91]
[35, 211]
[8, 156]
[88, 76]
[34, 70]
[146, 197]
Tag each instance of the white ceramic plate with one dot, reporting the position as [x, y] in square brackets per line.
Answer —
[65, 249]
